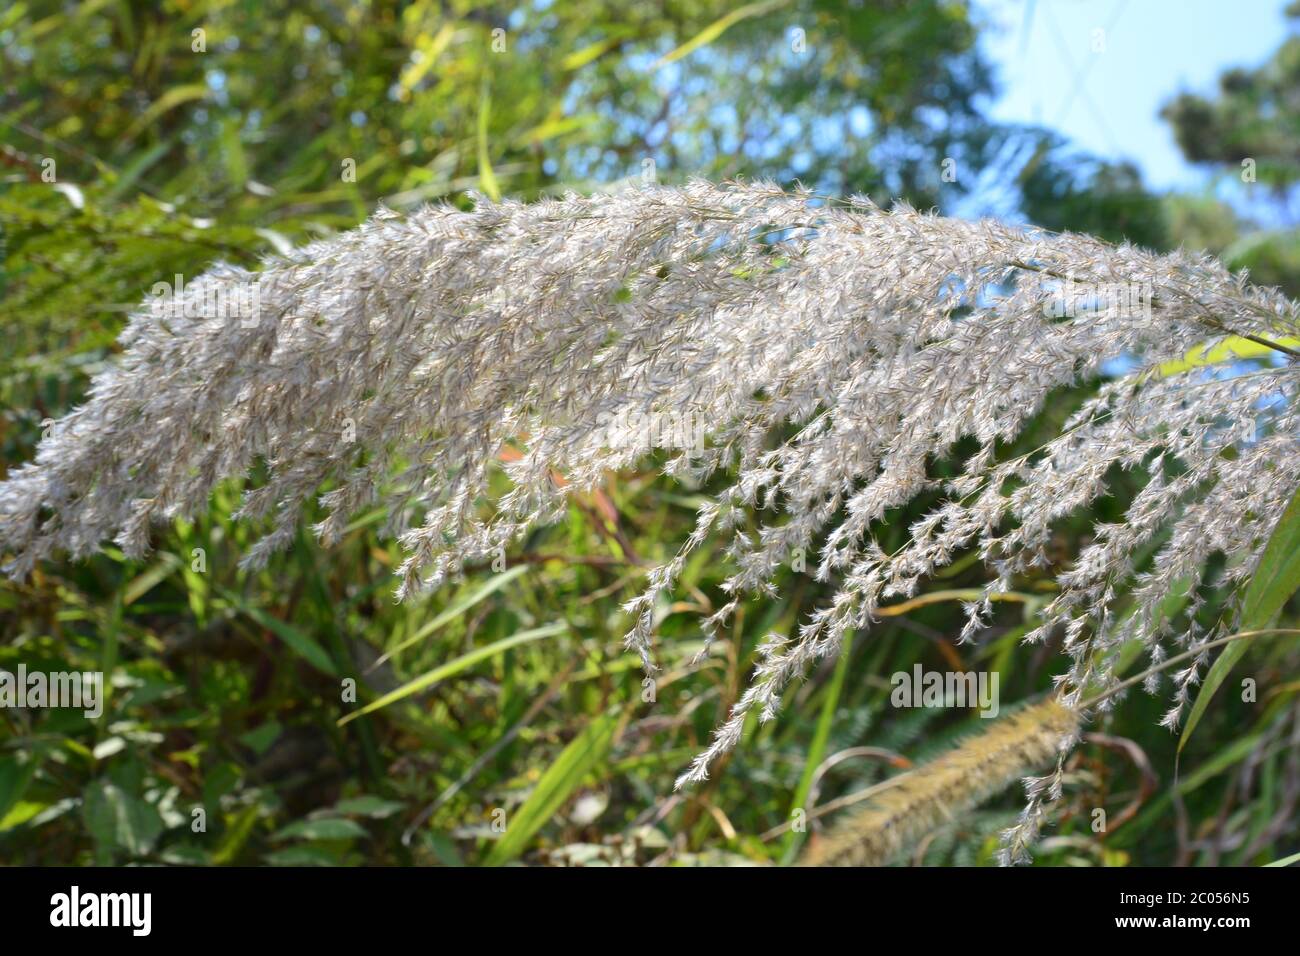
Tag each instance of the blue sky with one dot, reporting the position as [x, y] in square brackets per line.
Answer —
[1108, 102]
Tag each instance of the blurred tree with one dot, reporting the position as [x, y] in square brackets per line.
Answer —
[1256, 116]
[1250, 133]
[1064, 190]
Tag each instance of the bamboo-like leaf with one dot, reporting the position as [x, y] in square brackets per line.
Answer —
[593, 51]
[486, 177]
[238, 831]
[150, 579]
[15, 776]
[716, 29]
[429, 48]
[554, 128]
[327, 828]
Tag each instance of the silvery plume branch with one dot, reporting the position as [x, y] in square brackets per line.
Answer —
[829, 351]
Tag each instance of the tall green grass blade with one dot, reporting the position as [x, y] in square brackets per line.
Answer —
[1276, 579]
[817, 750]
[451, 668]
[715, 29]
[1286, 860]
[557, 783]
[150, 579]
[455, 610]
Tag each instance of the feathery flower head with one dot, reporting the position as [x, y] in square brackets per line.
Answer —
[826, 352]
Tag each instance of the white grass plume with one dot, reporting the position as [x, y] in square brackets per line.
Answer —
[882, 337]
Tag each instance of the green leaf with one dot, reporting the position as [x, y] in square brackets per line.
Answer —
[259, 739]
[555, 128]
[118, 820]
[593, 51]
[301, 856]
[425, 681]
[486, 177]
[20, 813]
[164, 104]
[1278, 575]
[137, 168]
[304, 646]
[1275, 580]
[1229, 349]
[1286, 860]
[367, 806]
[430, 47]
[455, 610]
[237, 834]
[716, 29]
[15, 774]
[329, 828]
[232, 150]
[817, 750]
[558, 782]
[151, 578]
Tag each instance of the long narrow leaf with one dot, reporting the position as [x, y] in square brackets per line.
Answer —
[486, 177]
[559, 781]
[455, 610]
[442, 672]
[301, 644]
[716, 29]
[1276, 579]
[817, 751]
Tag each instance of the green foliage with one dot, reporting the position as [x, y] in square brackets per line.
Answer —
[1253, 117]
[1275, 580]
